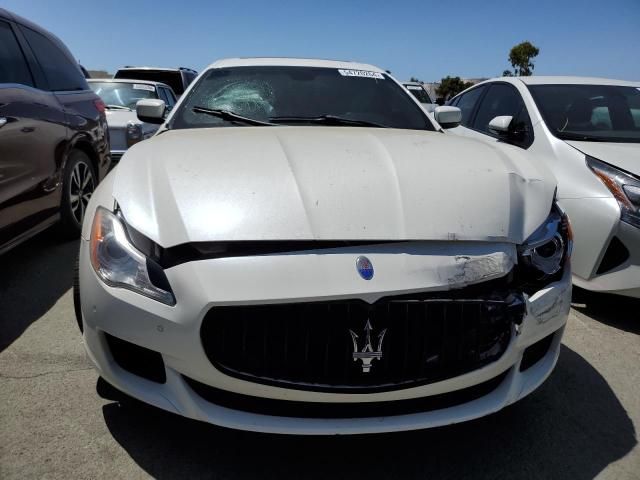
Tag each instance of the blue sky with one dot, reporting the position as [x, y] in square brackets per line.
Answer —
[426, 39]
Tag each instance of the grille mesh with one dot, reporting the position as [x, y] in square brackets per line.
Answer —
[310, 346]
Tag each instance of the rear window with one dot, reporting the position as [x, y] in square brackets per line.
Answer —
[13, 66]
[171, 78]
[62, 72]
[420, 93]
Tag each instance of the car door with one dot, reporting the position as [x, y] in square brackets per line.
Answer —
[32, 136]
[501, 99]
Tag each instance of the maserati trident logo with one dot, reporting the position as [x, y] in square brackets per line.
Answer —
[367, 354]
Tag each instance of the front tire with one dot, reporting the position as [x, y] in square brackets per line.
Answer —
[78, 184]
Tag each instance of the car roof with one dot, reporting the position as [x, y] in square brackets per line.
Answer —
[567, 80]
[127, 80]
[160, 69]
[417, 84]
[292, 62]
[12, 17]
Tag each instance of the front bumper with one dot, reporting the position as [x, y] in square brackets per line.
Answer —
[596, 224]
[174, 333]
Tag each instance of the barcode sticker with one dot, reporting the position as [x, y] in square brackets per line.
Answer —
[360, 73]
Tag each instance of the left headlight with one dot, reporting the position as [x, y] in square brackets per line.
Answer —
[134, 133]
[119, 264]
[548, 249]
[623, 186]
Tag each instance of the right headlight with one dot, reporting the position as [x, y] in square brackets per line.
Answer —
[119, 264]
[548, 249]
[623, 186]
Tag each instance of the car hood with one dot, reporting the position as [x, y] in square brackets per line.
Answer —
[328, 183]
[622, 155]
[120, 119]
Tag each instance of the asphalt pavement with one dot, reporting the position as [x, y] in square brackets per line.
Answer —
[58, 421]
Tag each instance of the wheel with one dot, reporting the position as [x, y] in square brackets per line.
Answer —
[78, 184]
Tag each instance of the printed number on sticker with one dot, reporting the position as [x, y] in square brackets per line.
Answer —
[360, 73]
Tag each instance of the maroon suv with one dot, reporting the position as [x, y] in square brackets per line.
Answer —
[54, 146]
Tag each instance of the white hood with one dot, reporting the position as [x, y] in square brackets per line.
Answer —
[328, 183]
[622, 155]
[120, 118]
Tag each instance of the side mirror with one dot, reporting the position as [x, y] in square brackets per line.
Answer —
[151, 110]
[448, 117]
[500, 125]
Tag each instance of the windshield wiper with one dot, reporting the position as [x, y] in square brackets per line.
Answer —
[579, 137]
[230, 116]
[117, 107]
[328, 120]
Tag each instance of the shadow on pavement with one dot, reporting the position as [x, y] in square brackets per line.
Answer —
[33, 277]
[572, 427]
[613, 310]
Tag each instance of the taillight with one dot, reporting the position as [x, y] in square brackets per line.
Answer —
[100, 105]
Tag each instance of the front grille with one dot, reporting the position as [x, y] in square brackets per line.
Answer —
[414, 340]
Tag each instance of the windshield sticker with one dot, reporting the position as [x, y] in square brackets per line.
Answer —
[413, 87]
[360, 73]
[140, 86]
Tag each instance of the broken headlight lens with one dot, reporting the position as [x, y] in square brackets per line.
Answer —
[119, 264]
[546, 251]
[623, 186]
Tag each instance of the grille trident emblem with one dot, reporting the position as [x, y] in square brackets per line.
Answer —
[367, 354]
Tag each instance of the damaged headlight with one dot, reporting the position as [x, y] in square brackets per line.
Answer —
[119, 264]
[547, 250]
[623, 186]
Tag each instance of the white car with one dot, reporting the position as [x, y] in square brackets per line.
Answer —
[587, 130]
[120, 97]
[417, 90]
[300, 249]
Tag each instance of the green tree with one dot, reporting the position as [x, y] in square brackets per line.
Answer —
[414, 79]
[507, 73]
[521, 57]
[451, 86]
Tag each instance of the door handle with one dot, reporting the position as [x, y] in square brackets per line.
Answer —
[3, 121]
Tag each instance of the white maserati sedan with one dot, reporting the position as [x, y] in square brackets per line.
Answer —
[587, 130]
[301, 249]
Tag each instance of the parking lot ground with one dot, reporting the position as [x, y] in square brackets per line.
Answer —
[580, 424]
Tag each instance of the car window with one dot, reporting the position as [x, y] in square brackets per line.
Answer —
[467, 103]
[162, 95]
[172, 95]
[420, 93]
[501, 99]
[300, 96]
[120, 94]
[609, 113]
[170, 98]
[173, 78]
[13, 65]
[62, 73]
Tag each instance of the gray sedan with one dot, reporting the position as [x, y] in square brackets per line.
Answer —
[120, 97]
